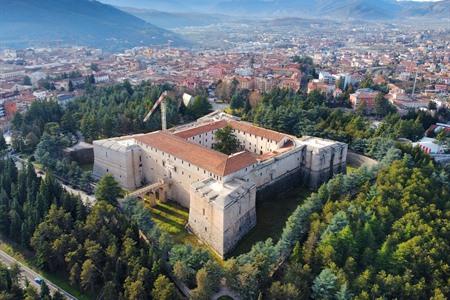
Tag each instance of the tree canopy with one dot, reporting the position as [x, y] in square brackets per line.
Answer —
[225, 141]
[108, 190]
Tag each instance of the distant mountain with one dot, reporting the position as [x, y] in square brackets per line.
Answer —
[336, 9]
[167, 5]
[84, 22]
[439, 9]
[172, 20]
[342, 9]
[354, 9]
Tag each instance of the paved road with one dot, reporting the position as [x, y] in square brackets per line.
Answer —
[30, 275]
[87, 199]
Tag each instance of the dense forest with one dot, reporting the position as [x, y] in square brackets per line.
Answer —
[389, 239]
[98, 249]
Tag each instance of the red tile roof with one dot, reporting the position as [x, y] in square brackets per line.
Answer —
[207, 159]
[236, 125]
[190, 132]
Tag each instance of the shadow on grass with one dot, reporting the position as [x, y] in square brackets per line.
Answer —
[169, 211]
[167, 221]
[271, 217]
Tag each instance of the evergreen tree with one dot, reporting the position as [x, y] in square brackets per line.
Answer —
[27, 80]
[279, 291]
[199, 107]
[3, 145]
[108, 189]
[45, 291]
[226, 141]
[163, 289]
[325, 285]
[70, 87]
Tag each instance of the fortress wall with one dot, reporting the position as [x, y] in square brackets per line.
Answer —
[222, 227]
[206, 222]
[284, 183]
[356, 159]
[240, 219]
[265, 172]
[322, 164]
[182, 174]
[120, 163]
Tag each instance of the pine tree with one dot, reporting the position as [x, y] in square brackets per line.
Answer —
[45, 291]
[325, 285]
[226, 141]
[108, 190]
[3, 145]
[163, 289]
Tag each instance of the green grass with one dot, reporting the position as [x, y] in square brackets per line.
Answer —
[172, 218]
[26, 257]
[271, 216]
[87, 167]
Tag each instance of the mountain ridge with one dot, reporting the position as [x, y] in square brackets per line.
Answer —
[171, 20]
[343, 9]
[84, 22]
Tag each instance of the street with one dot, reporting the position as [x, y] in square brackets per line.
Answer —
[88, 200]
[30, 275]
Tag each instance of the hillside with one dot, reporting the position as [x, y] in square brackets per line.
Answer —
[170, 20]
[167, 5]
[84, 22]
[343, 9]
[433, 10]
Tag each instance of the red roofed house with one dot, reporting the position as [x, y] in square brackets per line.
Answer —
[364, 96]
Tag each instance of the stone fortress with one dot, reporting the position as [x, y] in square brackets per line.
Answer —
[220, 190]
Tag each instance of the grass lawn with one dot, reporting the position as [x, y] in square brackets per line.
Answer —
[26, 257]
[271, 216]
[87, 167]
[172, 218]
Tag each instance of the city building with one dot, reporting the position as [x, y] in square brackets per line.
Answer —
[321, 86]
[364, 97]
